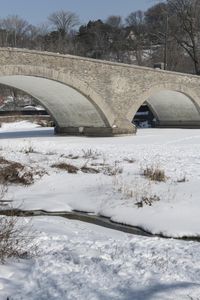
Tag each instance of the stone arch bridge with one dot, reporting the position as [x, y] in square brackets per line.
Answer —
[93, 97]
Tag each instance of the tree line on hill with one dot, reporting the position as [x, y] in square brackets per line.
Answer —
[167, 33]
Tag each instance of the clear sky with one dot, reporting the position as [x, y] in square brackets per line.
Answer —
[37, 11]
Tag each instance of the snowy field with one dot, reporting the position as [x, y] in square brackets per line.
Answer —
[79, 261]
[82, 261]
[120, 184]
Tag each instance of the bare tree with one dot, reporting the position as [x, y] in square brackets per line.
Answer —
[136, 25]
[186, 25]
[16, 29]
[157, 22]
[114, 21]
[116, 39]
[63, 22]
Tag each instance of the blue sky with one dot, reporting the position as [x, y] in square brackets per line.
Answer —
[37, 11]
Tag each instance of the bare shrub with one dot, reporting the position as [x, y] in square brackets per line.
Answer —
[90, 154]
[16, 238]
[147, 200]
[3, 161]
[182, 179]
[73, 169]
[86, 169]
[70, 156]
[140, 194]
[14, 172]
[112, 170]
[66, 167]
[96, 164]
[28, 149]
[154, 173]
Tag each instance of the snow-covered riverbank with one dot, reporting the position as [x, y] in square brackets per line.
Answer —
[176, 151]
[83, 261]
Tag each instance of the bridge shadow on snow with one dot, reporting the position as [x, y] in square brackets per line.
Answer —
[27, 133]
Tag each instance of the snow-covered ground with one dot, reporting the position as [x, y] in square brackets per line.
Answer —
[176, 151]
[18, 126]
[83, 261]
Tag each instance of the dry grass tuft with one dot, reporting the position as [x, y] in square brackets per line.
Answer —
[73, 169]
[70, 156]
[182, 179]
[112, 170]
[3, 161]
[28, 149]
[86, 169]
[14, 172]
[154, 173]
[96, 164]
[90, 154]
[139, 193]
[66, 167]
[147, 200]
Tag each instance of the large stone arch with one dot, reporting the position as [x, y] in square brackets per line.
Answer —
[94, 104]
[170, 115]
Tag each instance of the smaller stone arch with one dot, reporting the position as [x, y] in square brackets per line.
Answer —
[184, 112]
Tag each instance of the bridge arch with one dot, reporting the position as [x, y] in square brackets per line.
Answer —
[81, 109]
[183, 112]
